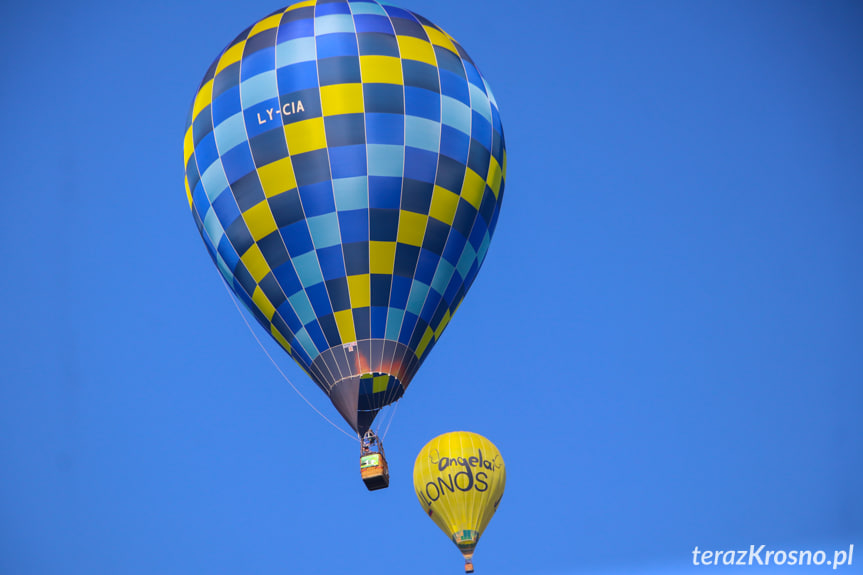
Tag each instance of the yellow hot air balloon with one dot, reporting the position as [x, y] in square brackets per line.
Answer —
[459, 479]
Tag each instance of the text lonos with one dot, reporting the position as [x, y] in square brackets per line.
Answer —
[464, 474]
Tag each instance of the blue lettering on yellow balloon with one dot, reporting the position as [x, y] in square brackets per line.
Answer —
[463, 479]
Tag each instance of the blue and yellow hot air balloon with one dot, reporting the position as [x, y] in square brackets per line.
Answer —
[345, 166]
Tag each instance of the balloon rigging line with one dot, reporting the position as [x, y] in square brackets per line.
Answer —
[390, 422]
[279, 368]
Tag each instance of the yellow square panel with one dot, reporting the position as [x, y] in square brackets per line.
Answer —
[412, 228]
[426, 339]
[473, 188]
[280, 338]
[438, 38]
[203, 98]
[345, 323]
[306, 136]
[359, 288]
[381, 70]
[379, 383]
[382, 257]
[415, 49]
[254, 261]
[443, 323]
[300, 5]
[342, 99]
[443, 205]
[259, 220]
[267, 23]
[277, 177]
[231, 55]
[494, 177]
[263, 303]
[188, 146]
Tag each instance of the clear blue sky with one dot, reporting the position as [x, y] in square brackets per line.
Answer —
[665, 341]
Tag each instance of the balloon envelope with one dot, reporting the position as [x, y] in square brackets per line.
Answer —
[345, 166]
[459, 478]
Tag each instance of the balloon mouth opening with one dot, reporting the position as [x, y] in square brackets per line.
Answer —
[376, 391]
[466, 540]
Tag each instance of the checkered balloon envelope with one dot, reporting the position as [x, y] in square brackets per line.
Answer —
[345, 166]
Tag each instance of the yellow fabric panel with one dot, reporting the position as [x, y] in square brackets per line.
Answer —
[188, 193]
[381, 70]
[415, 49]
[202, 99]
[412, 228]
[342, 99]
[382, 257]
[267, 23]
[438, 38]
[423, 344]
[359, 288]
[263, 303]
[379, 383]
[188, 146]
[443, 205]
[494, 177]
[345, 323]
[443, 323]
[473, 188]
[280, 338]
[254, 261]
[259, 219]
[231, 55]
[503, 168]
[300, 5]
[277, 177]
[459, 479]
[306, 136]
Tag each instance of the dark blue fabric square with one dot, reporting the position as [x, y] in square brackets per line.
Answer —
[226, 209]
[253, 64]
[420, 164]
[334, 45]
[354, 226]
[422, 103]
[378, 44]
[454, 86]
[287, 278]
[297, 23]
[296, 77]
[318, 198]
[312, 168]
[238, 162]
[320, 299]
[401, 288]
[331, 261]
[287, 208]
[372, 23]
[384, 192]
[426, 265]
[297, 238]
[385, 129]
[455, 144]
[206, 152]
[348, 161]
[339, 70]
[226, 102]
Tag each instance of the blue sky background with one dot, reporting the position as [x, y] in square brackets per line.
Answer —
[665, 341]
